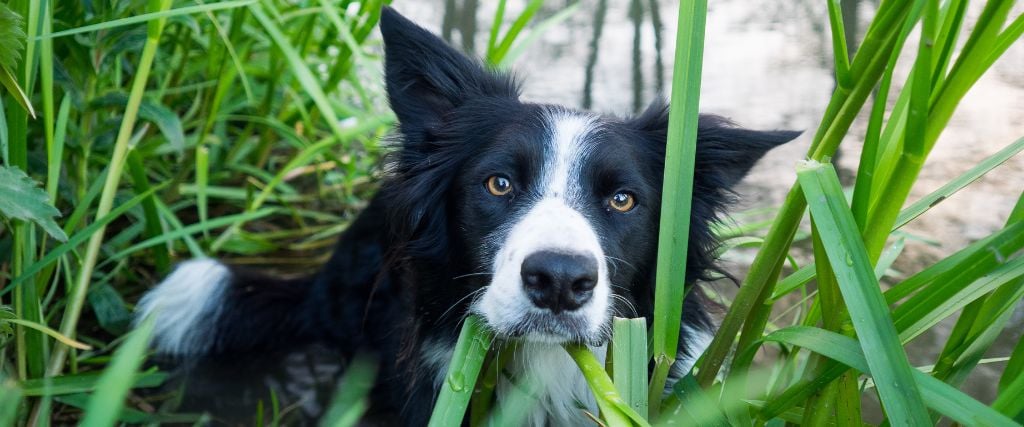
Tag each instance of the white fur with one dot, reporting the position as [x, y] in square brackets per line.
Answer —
[545, 369]
[697, 341]
[551, 224]
[561, 390]
[186, 305]
[437, 356]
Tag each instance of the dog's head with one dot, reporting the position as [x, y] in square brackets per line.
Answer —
[542, 219]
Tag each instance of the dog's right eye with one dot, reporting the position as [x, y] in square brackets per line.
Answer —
[498, 185]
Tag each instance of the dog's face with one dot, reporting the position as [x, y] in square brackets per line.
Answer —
[547, 216]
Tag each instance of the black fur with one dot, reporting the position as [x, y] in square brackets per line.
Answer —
[397, 277]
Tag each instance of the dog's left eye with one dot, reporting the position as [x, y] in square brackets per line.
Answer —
[622, 201]
[498, 185]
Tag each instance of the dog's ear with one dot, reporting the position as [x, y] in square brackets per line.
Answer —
[725, 152]
[426, 78]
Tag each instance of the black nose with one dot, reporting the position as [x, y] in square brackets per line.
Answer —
[558, 281]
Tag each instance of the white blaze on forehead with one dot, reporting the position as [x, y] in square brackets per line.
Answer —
[568, 148]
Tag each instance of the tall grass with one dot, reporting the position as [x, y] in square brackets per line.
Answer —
[165, 130]
[136, 133]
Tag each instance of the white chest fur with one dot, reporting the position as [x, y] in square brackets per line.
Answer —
[546, 378]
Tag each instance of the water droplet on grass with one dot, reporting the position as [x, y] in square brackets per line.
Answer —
[456, 381]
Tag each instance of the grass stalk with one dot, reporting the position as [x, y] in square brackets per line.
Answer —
[460, 380]
[859, 287]
[674, 227]
[73, 311]
[749, 304]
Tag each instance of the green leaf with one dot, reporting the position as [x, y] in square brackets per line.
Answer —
[8, 81]
[977, 171]
[614, 411]
[629, 358]
[460, 380]
[107, 401]
[8, 316]
[129, 415]
[938, 395]
[78, 238]
[165, 119]
[146, 17]
[22, 198]
[677, 192]
[110, 309]
[691, 405]
[519, 48]
[946, 298]
[83, 383]
[351, 396]
[856, 277]
[12, 36]
[10, 398]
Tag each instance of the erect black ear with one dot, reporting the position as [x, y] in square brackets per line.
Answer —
[725, 152]
[426, 78]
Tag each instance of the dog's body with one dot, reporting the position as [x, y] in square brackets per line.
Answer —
[540, 219]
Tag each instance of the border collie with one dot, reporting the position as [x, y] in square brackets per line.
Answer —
[541, 219]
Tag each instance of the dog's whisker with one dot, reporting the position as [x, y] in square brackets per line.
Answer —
[471, 275]
[621, 260]
[469, 295]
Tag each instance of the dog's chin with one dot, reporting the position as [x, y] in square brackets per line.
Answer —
[549, 328]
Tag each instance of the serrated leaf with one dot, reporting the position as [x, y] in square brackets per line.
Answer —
[12, 37]
[165, 119]
[21, 197]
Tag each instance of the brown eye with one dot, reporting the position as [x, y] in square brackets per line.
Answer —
[622, 202]
[499, 185]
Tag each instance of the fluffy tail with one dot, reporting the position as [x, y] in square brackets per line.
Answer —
[205, 308]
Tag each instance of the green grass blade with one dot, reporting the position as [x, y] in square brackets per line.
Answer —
[161, 257]
[463, 370]
[55, 152]
[615, 411]
[750, 303]
[861, 293]
[200, 227]
[946, 298]
[839, 49]
[689, 404]
[300, 70]
[492, 39]
[202, 181]
[519, 48]
[146, 17]
[512, 34]
[83, 383]
[977, 171]
[940, 396]
[629, 358]
[981, 257]
[108, 399]
[677, 192]
[10, 399]
[1014, 367]
[76, 239]
[1011, 399]
[11, 318]
[351, 397]
[77, 293]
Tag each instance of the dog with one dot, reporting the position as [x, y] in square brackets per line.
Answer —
[540, 219]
